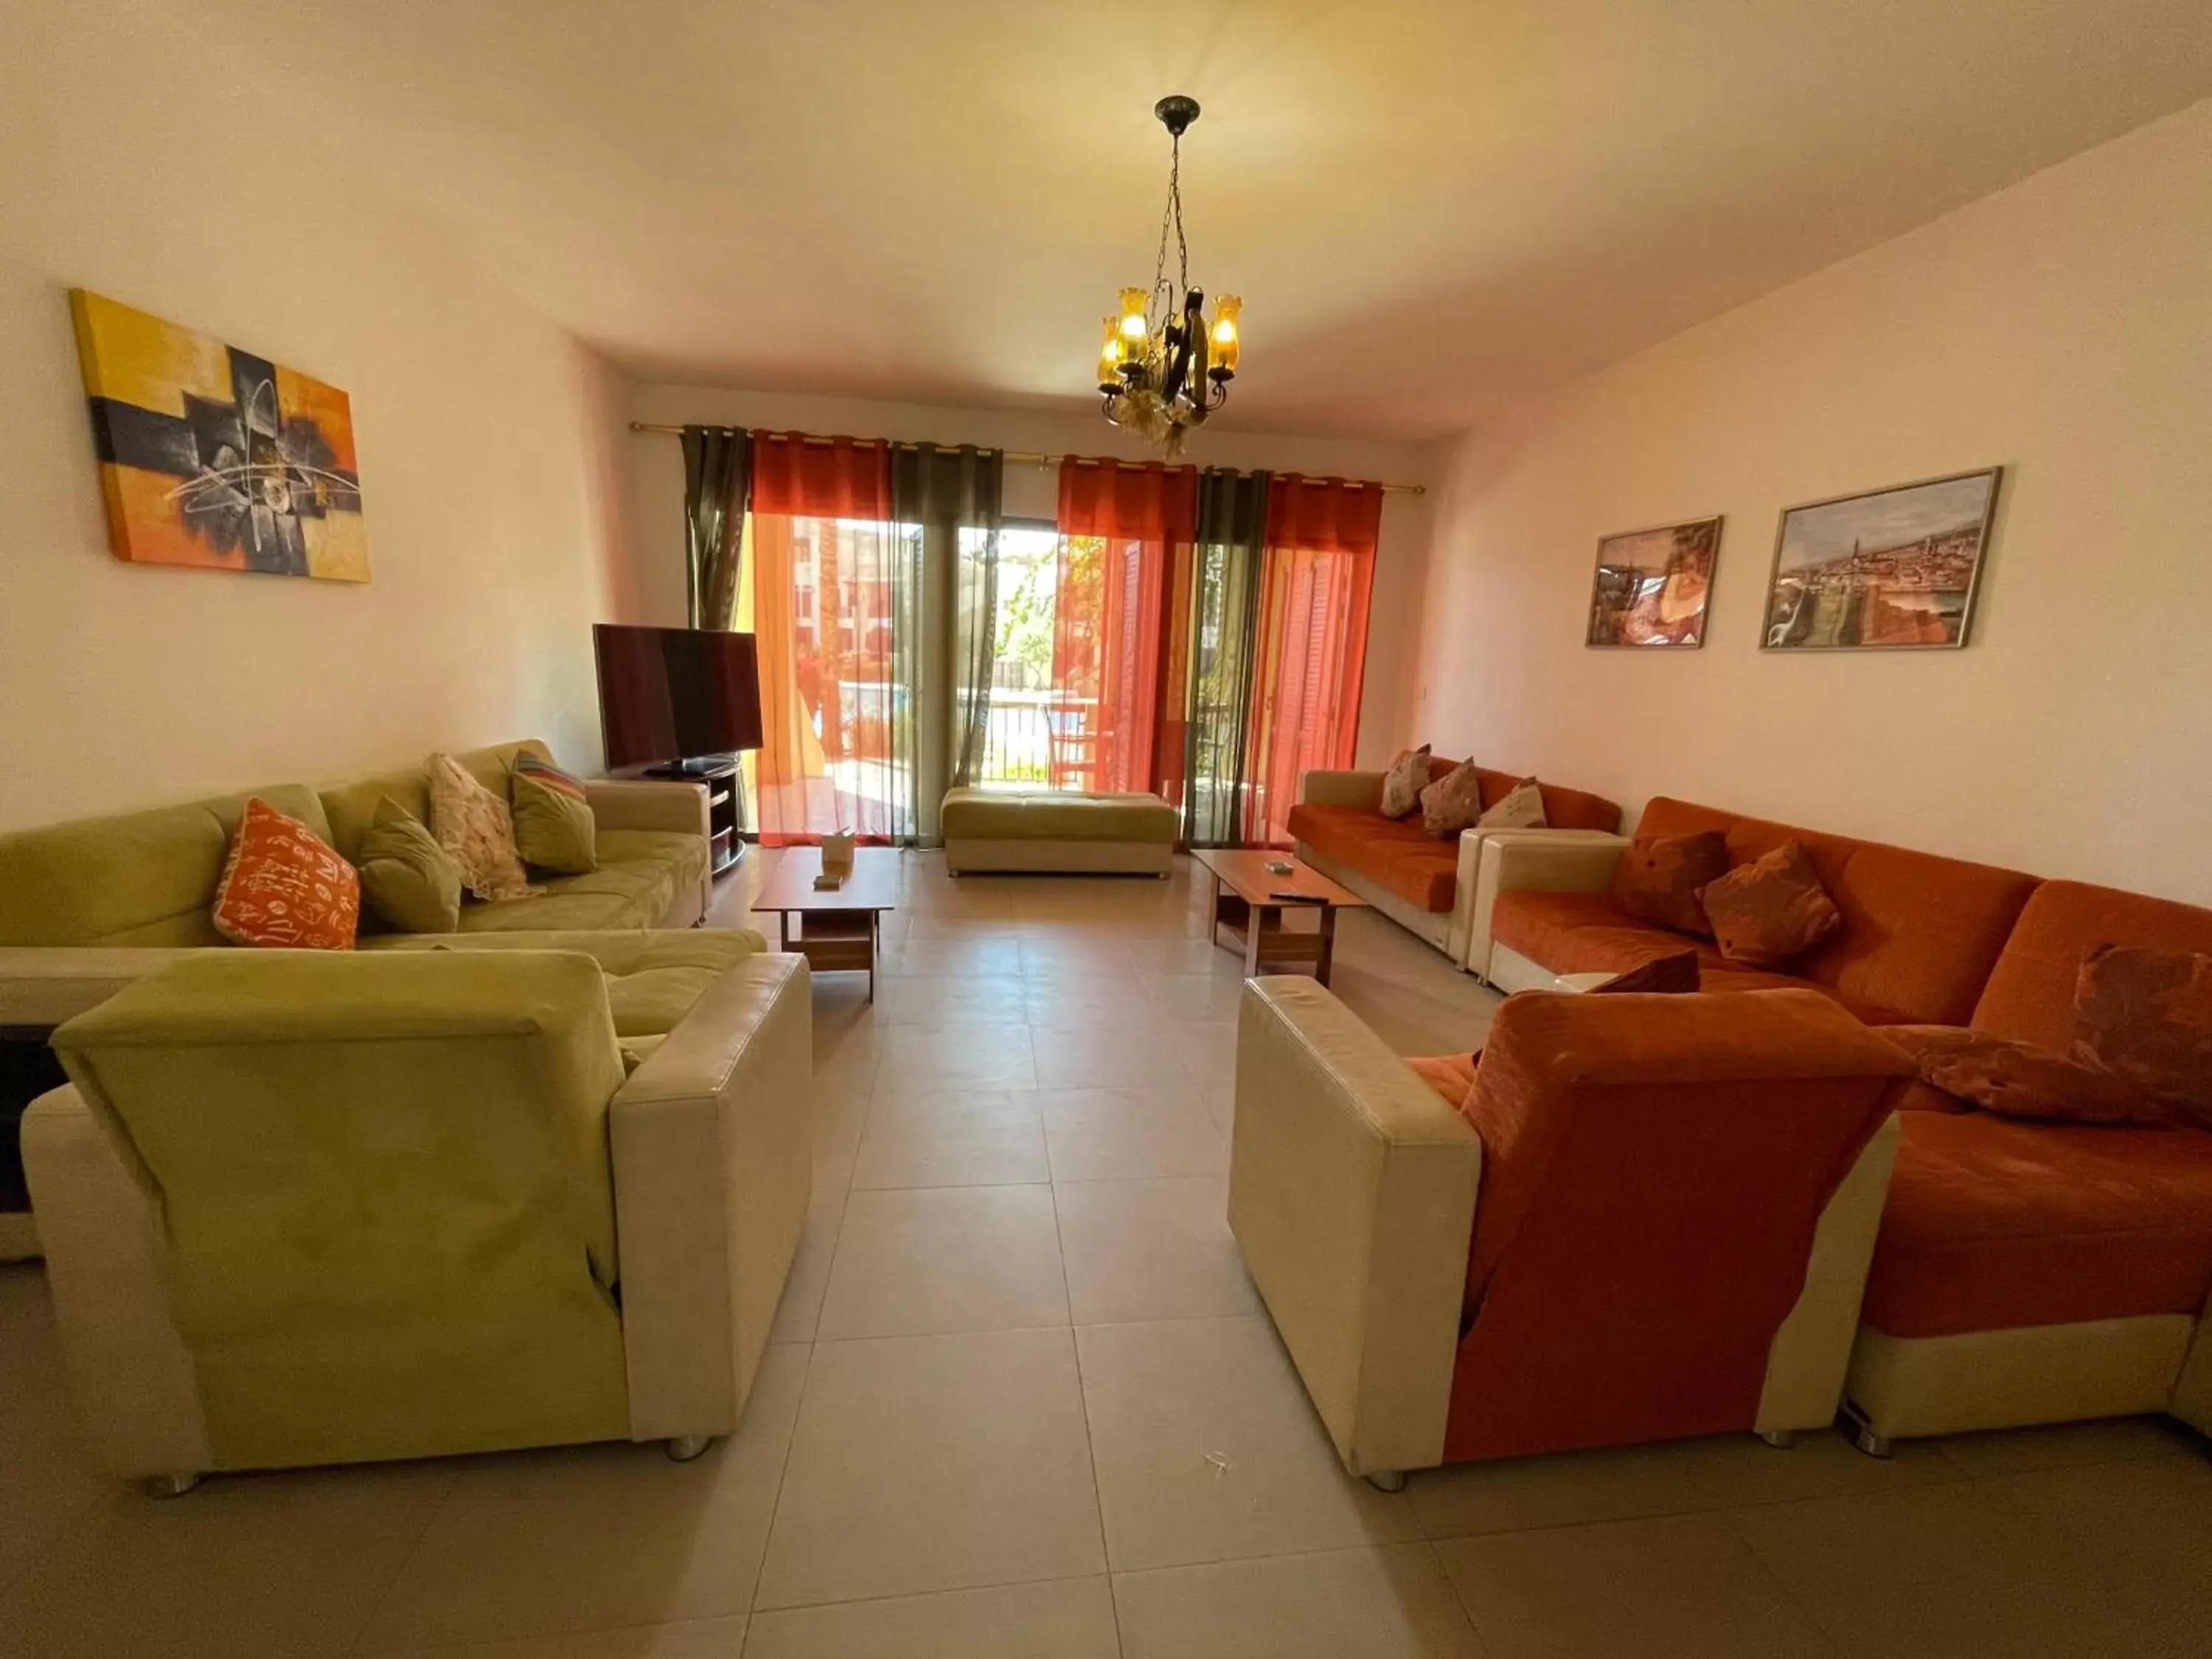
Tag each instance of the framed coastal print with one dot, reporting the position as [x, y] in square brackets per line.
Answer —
[1890, 569]
[214, 457]
[1652, 586]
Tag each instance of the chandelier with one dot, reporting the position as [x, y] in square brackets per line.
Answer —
[1163, 367]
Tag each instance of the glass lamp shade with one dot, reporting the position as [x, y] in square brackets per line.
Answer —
[1111, 354]
[1133, 302]
[1223, 340]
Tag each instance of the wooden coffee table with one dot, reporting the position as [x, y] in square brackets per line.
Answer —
[840, 928]
[1244, 901]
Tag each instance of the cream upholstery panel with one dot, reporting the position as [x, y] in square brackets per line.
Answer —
[1812, 1350]
[1912, 1386]
[1352, 1191]
[137, 1393]
[712, 1145]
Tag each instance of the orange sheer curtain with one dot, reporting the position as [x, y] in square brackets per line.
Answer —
[828, 594]
[1311, 653]
[1123, 529]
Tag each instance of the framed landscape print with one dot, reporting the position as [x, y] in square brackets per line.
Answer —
[213, 457]
[1652, 586]
[1890, 569]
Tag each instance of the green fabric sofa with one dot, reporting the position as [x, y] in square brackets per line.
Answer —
[75, 897]
[306, 1207]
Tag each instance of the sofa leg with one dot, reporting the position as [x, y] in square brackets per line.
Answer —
[171, 1485]
[1780, 1439]
[686, 1447]
[1861, 1433]
[1387, 1480]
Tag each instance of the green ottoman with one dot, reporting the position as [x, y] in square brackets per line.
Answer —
[1058, 831]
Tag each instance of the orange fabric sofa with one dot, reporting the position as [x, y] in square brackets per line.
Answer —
[1650, 1219]
[1919, 938]
[1422, 881]
[2033, 1272]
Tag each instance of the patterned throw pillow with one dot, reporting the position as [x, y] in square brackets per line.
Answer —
[2148, 1016]
[2018, 1080]
[1521, 808]
[554, 828]
[1658, 880]
[283, 888]
[1403, 783]
[1453, 802]
[1767, 911]
[409, 881]
[474, 825]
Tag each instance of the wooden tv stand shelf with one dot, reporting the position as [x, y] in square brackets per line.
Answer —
[724, 784]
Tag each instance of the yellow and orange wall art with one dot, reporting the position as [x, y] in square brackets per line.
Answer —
[213, 457]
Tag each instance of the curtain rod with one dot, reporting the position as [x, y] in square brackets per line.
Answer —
[1020, 457]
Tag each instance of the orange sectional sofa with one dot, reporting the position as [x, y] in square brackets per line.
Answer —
[2026, 1271]
[1919, 938]
[1426, 884]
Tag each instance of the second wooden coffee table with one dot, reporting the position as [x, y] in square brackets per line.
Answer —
[1249, 900]
[840, 928]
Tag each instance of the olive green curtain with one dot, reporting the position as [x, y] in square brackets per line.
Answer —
[1229, 555]
[945, 502]
[718, 475]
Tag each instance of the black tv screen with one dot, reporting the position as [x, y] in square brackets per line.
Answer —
[675, 694]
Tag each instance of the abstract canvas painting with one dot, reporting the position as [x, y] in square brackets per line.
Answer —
[1652, 586]
[1891, 568]
[211, 456]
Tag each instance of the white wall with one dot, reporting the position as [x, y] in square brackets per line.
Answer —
[655, 471]
[146, 164]
[2062, 328]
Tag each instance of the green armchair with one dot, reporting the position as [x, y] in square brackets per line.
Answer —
[304, 1208]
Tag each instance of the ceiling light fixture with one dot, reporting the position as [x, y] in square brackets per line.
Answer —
[1163, 367]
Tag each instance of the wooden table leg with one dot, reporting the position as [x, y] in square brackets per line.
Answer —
[1213, 909]
[1327, 943]
[875, 946]
[1258, 919]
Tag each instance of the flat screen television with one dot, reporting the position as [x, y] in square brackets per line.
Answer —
[675, 698]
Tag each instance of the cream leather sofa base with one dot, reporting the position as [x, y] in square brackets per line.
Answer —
[1906, 1388]
[711, 1145]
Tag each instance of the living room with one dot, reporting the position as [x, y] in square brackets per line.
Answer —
[1022, 1231]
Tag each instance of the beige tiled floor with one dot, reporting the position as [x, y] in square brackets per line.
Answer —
[1023, 1401]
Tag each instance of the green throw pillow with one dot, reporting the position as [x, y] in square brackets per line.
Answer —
[554, 828]
[411, 882]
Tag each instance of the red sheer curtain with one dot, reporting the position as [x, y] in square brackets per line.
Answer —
[824, 596]
[1316, 583]
[1122, 528]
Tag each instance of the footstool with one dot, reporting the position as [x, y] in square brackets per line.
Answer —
[1058, 831]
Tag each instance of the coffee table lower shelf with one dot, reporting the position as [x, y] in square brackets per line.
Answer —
[835, 941]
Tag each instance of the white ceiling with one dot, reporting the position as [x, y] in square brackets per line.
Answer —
[1430, 209]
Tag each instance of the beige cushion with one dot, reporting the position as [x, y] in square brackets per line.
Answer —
[1521, 809]
[1403, 783]
[1454, 801]
[474, 825]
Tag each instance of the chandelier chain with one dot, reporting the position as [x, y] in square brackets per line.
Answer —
[1171, 216]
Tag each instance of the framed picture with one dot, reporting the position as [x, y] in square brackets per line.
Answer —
[214, 457]
[1652, 586]
[1890, 570]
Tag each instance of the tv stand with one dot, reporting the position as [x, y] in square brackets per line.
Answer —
[724, 784]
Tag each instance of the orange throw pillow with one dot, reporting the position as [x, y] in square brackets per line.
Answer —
[2018, 1080]
[1659, 879]
[2148, 1016]
[1773, 908]
[283, 888]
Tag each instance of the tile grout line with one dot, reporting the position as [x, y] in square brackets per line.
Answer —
[1090, 1446]
[782, 1477]
[414, 1549]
